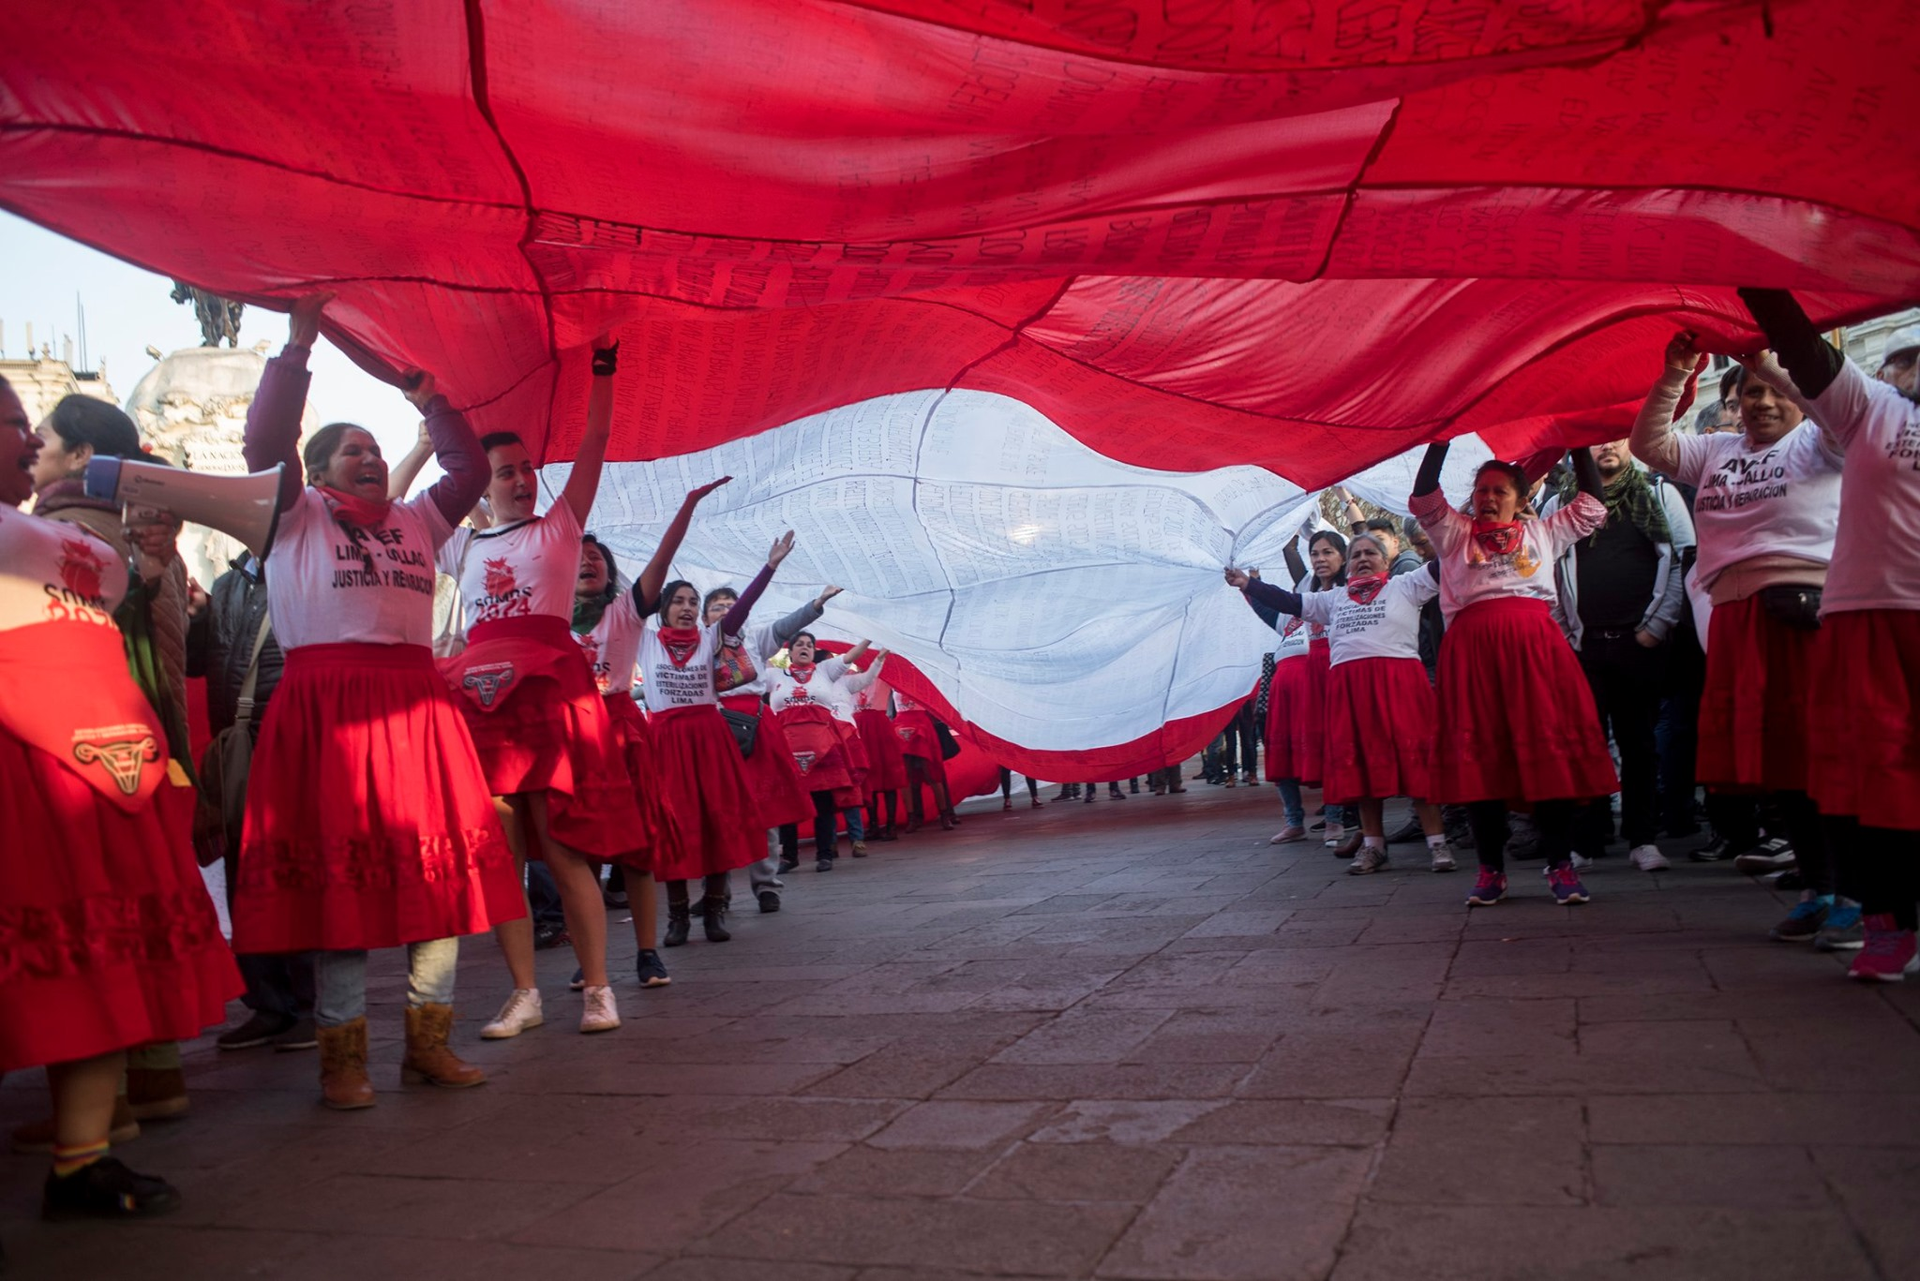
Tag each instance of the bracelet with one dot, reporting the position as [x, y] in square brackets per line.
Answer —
[606, 360]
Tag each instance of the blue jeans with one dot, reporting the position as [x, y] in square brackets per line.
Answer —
[1291, 802]
[856, 823]
[340, 980]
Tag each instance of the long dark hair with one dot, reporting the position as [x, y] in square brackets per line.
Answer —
[325, 443]
[1338, 544]
[1512, 471]
[81, 420]
[612, 588]
[666, 595]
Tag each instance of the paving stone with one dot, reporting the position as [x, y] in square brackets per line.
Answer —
[954, 1123]
[1516, 1152]
[1264, 1214]
[1740, 1178]
[1335, 1122]
[1077, 1172]
[1123, 1120]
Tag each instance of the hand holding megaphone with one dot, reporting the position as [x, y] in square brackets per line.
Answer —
[247, 507]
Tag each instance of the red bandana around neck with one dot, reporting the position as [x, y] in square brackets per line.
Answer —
[680, 642]
[1497, 538]
[802, 672]
[363, 512]
[1365, 587]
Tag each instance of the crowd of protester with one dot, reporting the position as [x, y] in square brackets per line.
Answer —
[564, 737]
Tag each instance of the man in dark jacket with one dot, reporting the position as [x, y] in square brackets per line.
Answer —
[220, 648]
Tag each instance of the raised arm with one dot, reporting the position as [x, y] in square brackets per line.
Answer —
[583, 482]
[857, 681]
[1259, 593]
[1586, 473]
[806, 616]
[857, 653]
[1652, 441]
[407, 470]
[735, 620]
[646, 588]
[1811, 361]
[1291, 554]
[1427, 479]
[456, 447]
[273, 419]
[1356, 515]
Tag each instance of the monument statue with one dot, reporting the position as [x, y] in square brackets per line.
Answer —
[219, 319]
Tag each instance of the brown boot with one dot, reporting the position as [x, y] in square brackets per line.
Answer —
[37, 1136]
[428, 1060]
[156, 1093]
[343, 1066]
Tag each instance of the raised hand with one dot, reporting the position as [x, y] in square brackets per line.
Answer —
[1682, 353]
[695, 495]
[826, 594]
[418, 387]
[781, 546]
[1237, 578]
[303, 321]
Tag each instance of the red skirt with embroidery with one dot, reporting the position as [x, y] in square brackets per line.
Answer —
[1379, 730]
[819, 743]
[859, 756]
[889, 767]
[107, 937]
[1516, 720]
[369, 823]
[539, 724]
[635, 737]
[1297, 716]
[1754, 722]
[774, 789]
[1865, 749]
[706, 828]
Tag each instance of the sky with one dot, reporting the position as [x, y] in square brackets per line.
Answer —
[128, 309]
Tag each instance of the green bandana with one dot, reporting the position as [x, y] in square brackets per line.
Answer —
[1629, 497]
[588, 610]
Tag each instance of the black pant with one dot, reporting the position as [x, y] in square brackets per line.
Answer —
[1243, 728]
[1885, 872]
[1553, 820]
[1006, 785]
[277, 982]
[826, 831]
[1625, 677]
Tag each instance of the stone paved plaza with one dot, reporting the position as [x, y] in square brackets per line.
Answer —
[1111, 1040]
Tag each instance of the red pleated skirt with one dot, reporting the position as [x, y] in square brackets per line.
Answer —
[1380, 717]
[774, 790]
[709, 825]
[549, 732]
[915, 733]
[1516, 720]
[819, 743]
[107, 937]
[860, 760]
[635, 737]
[369, 823]
[1297, 716]
[883, 751]
[1864, 755]
[1754, 722]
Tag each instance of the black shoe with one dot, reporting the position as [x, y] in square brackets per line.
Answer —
[1115, 794]
[824, 865]
[1717, 850]
[578, 983]
[788, 864]
[769, 901]
[649, 969]
[298, 1037]
[888, 834]
[715, 921]
[614, 899]
[261, 1029]
[697, 908]
[549, 934]
[1409, 832]
[106, 1189]
[679, 923]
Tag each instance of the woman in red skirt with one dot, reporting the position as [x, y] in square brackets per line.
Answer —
[706, 830]
[1767, 503]
[1296, 728]
[1864, 761]
[804, 698]
[539, 724]
[1516, 721]
[919, 739]
[1379, 705]
[107, 934]
[887, 764]
[368, 822]
[607, 624]
[774, 787]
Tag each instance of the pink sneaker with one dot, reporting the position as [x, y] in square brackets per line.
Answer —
[1889, 954]
[1488, 889]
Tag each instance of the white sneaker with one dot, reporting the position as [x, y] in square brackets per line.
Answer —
[1442, 857]
[521, 1012]
[1335, 835]
[1648, 858]
[601, 1013]
[1371, 858]
[1580, 861]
